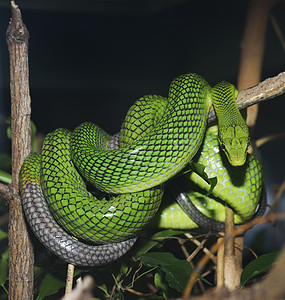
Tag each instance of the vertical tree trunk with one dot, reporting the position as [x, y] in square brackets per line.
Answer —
[21, 256]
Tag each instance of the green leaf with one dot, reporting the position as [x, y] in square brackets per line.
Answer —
[38, 271]
[103, 287]
[176, 271]
[257, 266]
[49, 286]
[3, 235]
[200, 170]
[125, 270]
[4, 269]
[79, 271]
[5, 160]
[160, 282]
[177, 276]
[5, 177]
[34, 137]
[156, 239]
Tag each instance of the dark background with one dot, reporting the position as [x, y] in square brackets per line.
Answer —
[90, 60]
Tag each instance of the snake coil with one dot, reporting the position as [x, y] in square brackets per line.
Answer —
[158, 139]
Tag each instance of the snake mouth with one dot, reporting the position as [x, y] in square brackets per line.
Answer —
[236, 156]
[236, 161]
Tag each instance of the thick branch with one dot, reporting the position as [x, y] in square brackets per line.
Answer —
[232, 261]
[265, 90]
[4, 191]
[20, 248]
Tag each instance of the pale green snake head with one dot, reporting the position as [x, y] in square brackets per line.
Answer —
[234, 141]
[233, 132]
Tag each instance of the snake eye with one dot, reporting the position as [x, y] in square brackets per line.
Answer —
[248, 144]
[223, 147]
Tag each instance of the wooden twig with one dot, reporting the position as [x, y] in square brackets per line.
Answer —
[220, 264]
[232, 266]
[194, 240]
[69, 279]
[200, 266]
[21, 257]
[4, 191]
[257, 221]
[200, 245]
[82, 291]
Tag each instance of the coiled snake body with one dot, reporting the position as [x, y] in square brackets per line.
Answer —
[158, 139]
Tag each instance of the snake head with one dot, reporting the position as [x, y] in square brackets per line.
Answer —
[234, 141]
[233, 131]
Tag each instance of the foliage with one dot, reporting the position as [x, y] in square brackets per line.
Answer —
[258, 266]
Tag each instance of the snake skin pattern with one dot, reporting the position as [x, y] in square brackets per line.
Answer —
[58, 241]
[128, 177]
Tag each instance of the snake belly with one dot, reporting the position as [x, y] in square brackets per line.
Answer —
[50, 234]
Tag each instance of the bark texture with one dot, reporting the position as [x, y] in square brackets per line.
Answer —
[21, 255]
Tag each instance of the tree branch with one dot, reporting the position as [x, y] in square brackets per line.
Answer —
[265, 90]
[21, 255]
[4, 191]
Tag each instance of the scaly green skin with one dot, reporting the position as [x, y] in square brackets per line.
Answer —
[156, 157]
[77, 210]
[105, 221]
[157, 143]
[238, 187]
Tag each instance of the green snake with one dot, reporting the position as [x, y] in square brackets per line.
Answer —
[87, 194]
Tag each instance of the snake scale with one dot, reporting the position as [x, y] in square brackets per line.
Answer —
[88, 194]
